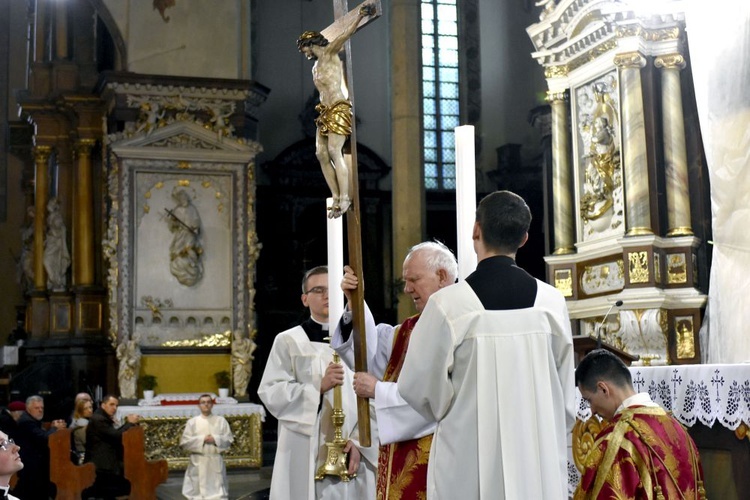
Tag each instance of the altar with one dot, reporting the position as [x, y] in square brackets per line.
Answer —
[712, 400]
[164, 421]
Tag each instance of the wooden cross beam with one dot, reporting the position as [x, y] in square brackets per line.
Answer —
[344, 18]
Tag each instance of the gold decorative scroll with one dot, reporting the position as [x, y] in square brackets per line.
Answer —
[670, 61]
[584, 437]
[221, 339]
[630, 60]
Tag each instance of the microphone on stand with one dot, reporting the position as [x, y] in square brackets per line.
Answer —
[599, 328]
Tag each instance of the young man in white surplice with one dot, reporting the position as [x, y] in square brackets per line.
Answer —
[206, 436]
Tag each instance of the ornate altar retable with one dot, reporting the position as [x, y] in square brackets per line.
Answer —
[164, 425]
[692, 393]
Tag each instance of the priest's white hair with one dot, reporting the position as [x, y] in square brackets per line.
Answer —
[438, 256]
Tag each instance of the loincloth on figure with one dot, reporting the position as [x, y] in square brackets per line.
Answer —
[334, 119]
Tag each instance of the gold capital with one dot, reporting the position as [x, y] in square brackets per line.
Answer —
[42, 153]
[556, 96]
[630, 60]
[670, 61]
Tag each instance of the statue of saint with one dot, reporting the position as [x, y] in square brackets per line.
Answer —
[129, 356]
[185, 251]
[334, 123]
[56, 255]
[242, 362]
[26, 260]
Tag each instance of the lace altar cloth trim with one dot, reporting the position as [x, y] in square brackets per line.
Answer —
[704, 393]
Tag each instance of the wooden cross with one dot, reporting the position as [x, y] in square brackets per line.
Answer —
[344, 18]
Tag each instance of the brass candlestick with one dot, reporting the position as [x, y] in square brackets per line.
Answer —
[336, 460]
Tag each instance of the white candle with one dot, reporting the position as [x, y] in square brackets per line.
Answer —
[335, 266]
[466, 199]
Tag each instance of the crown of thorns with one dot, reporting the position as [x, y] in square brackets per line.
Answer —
[311, 38]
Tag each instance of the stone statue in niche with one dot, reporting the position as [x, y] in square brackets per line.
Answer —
[242, 362]
[185, 250]
[56, 255]
[129, 356]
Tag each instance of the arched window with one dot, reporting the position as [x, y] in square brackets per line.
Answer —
[440, 91]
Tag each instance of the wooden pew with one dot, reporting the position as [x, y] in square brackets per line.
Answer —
[144, 475]
[69, 478]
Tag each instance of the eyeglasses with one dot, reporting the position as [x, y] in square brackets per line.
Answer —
[318, 289]
[7, 444]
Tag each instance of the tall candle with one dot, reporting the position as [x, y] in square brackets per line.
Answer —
[335, 266]
[466, 199]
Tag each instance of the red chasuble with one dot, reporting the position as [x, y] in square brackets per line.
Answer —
[402, 467]
[643, 454]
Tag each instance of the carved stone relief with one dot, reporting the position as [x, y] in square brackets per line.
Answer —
[598, 159]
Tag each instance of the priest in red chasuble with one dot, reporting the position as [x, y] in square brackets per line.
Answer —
[405, 436]
[643, 452]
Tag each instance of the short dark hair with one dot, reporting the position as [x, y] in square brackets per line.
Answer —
[311, 38]
[504, 219]
[107, 397]
[205, 395]
[312, 272]
[599, 365]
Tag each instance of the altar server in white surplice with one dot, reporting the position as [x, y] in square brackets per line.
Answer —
[206, 437]
[491, 360]
[296, 389]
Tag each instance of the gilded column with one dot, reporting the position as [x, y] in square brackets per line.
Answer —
[562, 192]
[675, 152]
[83, 216]
[41, 160]
[635, 161]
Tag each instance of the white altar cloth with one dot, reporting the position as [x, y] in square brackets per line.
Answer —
[191, 410]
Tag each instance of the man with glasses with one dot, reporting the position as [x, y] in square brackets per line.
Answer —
[296, 389]
[10, 463]
[206, 437]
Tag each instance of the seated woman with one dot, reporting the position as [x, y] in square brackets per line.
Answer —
[83, 411]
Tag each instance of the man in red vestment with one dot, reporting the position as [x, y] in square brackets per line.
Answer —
[643, 452]
[405, 436]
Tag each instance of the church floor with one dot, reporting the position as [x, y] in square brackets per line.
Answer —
[244, 484]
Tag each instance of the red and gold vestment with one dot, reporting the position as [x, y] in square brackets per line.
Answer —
[402, 466]
[644, 453]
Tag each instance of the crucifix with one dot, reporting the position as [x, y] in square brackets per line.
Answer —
[334, 81]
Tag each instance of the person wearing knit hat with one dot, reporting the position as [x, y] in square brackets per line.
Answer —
[9, 417]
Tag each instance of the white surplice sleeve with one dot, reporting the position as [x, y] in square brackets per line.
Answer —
[424, 381]
[397, 421]
[290, 386]
[222, 434]
[379, 340]
[190, 440]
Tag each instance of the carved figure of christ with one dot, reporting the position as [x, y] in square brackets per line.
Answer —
[335, 119]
